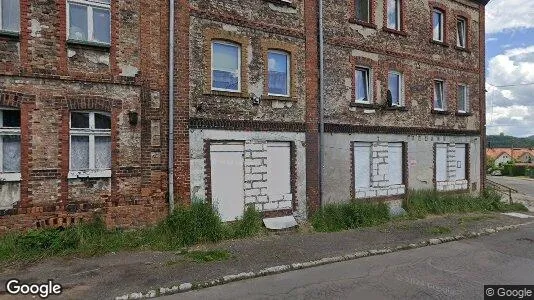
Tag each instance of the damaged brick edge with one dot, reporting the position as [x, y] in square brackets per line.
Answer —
[187, 286]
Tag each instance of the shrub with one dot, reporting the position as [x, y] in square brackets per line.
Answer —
[336, 217]
[248, 226]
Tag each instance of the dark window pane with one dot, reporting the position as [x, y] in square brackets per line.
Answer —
[11, 153]
[101, 27]
[102, 121]
[78, 22]
[362, 10]
[10, 15]
[11, 118]
[79, 120]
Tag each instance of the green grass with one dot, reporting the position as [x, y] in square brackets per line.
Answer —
[337, 217]
[429, 202]
[194, 224]
[208, 256]
[439, 230]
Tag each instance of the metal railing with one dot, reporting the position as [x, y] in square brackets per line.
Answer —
[502, 189]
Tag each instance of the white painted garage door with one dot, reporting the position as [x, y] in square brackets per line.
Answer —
[227, 172]
[278, 170]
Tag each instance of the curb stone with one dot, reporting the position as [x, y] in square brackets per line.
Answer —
[187, 286]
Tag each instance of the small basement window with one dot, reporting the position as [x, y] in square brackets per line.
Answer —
[90, 144]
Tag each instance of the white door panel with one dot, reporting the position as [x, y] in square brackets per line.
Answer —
[441, 162]
[278, 170]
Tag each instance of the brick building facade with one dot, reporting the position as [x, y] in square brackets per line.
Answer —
[84, 105]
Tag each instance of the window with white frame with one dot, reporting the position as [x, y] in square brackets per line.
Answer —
[394, 14]
[10, 144]
[362, 86]
[438, 18]
[89, 21]
[461, 32]
[463, 98]
[90, 144]
[363, 10]
[395, 88]
[441, 163]
[225, 66]
[279, 64]
[10, 15]
[439, 95]
[396, 169]
[362, 165]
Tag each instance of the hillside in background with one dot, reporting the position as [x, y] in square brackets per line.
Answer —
[506, 141]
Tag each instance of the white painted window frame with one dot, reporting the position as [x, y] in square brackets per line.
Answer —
[238, 46]
[369, 83]
[15, 176]
[443, 98]
[398, 20]
[1, 28]
[441, 25]
[401, 88]
[90, 25]
[466, 98]
[461, 43]
[288, 72]
[91, 132]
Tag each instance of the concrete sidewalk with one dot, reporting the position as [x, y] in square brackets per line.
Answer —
[123, 273]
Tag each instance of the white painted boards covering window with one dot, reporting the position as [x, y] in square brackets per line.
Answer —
[362, 165]
[439, 95]
[362, 10]
[362, 79]
[463, 98]
[441, 162]
[461, 156]
[225, 66]
[395, 88]
[89, 21]
[10, 15]
[395, 163]
[278, 170]
[394, 14]
[279, 71]
[461, 32]
[10, 145]
[90, 144]
[437, 25]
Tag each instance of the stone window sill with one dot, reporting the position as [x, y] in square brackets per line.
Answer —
[395, 31]
[89, 174]
[440, 112]
[399, 108]
[9, 35]
[462, 49]
[279, 98]
[443, 44]
[283, 3]
[364, 105]
[9, 177]
[88, 44]
[226, 94]
[362, 23]
[463, 114]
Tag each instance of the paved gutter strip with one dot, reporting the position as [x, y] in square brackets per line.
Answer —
[185, 287]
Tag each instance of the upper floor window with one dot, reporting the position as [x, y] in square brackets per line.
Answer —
[363, 11]
[362, 89]
[279, 73]
[90, 144]
[461, 33]
[395, 88]
[394, 14]
[439, 95]
[225, 66]
[10, 144]
[437, 25]
[463, 98]
[89, 21]
[9, 15]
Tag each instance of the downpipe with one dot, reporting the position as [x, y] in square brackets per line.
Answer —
[170, 150]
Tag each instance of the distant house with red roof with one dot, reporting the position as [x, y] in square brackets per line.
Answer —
[505, 155]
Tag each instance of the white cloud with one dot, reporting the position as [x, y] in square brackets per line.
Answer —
[502, 15]
[510, 109]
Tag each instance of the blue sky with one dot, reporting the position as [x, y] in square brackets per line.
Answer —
[510, 67]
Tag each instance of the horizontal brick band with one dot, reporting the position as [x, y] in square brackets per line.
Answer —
[349, 128]
[45, 174]
[198, 123]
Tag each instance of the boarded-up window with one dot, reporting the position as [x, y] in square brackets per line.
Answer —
[441, 162]
[461, 161]
[278, 170]
[362, 165]
[395, 163]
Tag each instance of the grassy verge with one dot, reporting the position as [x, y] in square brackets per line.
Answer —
[190, 225]
[428, 202]
[336, 217]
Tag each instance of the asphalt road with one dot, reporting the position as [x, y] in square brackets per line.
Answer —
[453, 270]
[522, 185]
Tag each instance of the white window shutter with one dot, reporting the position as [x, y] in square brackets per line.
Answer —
[362, 165]
[278, 170]
[460, 162]
[395, 163]
[441, 162]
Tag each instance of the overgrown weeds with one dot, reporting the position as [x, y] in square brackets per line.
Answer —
[336, 217]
